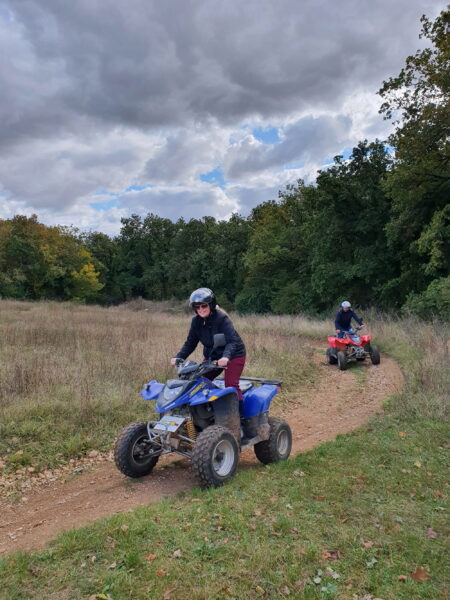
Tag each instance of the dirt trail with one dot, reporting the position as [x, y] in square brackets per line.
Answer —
[337, 402]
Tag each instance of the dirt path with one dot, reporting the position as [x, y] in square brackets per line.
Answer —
[337, 402]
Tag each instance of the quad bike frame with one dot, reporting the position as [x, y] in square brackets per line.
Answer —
[204, 421]
[351, 348]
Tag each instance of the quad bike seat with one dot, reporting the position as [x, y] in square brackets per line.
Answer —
[243, 384]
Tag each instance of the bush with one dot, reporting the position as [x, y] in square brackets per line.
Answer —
[434, 301]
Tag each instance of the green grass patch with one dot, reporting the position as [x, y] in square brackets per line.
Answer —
[354, 517]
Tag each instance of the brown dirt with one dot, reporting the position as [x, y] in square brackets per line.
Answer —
[337, 402]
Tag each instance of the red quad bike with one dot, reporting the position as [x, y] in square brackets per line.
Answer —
[350, 348]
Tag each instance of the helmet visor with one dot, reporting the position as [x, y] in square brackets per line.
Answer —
[197, 305]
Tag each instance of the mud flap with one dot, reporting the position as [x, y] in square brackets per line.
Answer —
[226, 413]
[258, 425]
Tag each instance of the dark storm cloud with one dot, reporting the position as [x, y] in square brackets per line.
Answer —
[151, 63]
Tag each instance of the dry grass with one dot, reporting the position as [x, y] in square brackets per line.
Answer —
[71, 374]
[423, 350]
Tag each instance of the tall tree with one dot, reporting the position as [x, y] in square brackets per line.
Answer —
[344, 228]
[419, 185]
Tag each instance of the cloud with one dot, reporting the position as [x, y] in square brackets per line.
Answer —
[174, 202]
[104, 95]
[308, 139]
[186, 153]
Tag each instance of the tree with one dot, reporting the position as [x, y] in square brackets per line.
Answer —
[344, 228]
[44, 262]
[275, 260]
[419, 184]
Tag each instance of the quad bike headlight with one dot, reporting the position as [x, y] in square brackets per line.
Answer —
[171, 391]
[170, 394]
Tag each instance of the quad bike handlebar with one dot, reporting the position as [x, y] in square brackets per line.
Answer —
[354, 329]
[189, 369]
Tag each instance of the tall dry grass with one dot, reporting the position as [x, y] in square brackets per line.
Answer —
[71, 374]
[423, 349]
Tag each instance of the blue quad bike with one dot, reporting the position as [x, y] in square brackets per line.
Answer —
[204, 421]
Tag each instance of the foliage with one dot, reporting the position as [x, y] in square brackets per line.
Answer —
[44, 262]
[418, 232]
[434, 301]
[320, 242]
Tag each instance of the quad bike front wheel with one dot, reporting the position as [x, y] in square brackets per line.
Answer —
[133, 452]
[215, 456]
[341, 360]
[331, 356]
[374, 355]
[278, 446]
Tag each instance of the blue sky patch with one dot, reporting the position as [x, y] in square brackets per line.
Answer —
[267, 135]
[345, 153]
[105, 205]
[138, 188]
[215, 176]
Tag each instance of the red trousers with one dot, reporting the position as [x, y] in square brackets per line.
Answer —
[232, 373]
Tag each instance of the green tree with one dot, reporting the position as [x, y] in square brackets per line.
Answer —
[344, 228]
[275, 261]
[37, 262]
[105, 256]
[419, 184]
[320, 243]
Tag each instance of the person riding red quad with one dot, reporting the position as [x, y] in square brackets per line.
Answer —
[343, 319]
[347, 345]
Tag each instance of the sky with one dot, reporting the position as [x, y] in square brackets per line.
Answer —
[186, 108]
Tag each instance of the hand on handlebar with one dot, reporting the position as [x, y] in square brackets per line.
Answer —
[175, 361]
[223, 362]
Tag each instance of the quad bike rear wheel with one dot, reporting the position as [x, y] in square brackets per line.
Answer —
[341, 360]
[215, 456]
[331, 356]
[278, 446]
[133, 451]
[374, 355]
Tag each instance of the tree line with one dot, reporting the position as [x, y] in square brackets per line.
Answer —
[373, 228]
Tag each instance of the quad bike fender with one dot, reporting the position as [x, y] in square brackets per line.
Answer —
[151, 390]
[342, 344]
[257, 400]
[225, 404]
[338, 343]
[226, 412]
[332, 341]
[365, 339]
[205, 395]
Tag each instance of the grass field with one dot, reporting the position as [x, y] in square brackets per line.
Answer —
[360, 518]
[71, 375]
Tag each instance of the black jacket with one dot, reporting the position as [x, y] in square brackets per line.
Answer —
[343, 319]
[203, 330]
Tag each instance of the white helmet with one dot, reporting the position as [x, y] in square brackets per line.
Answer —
[346, 304]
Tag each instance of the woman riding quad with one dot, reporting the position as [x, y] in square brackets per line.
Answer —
[207, 322]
